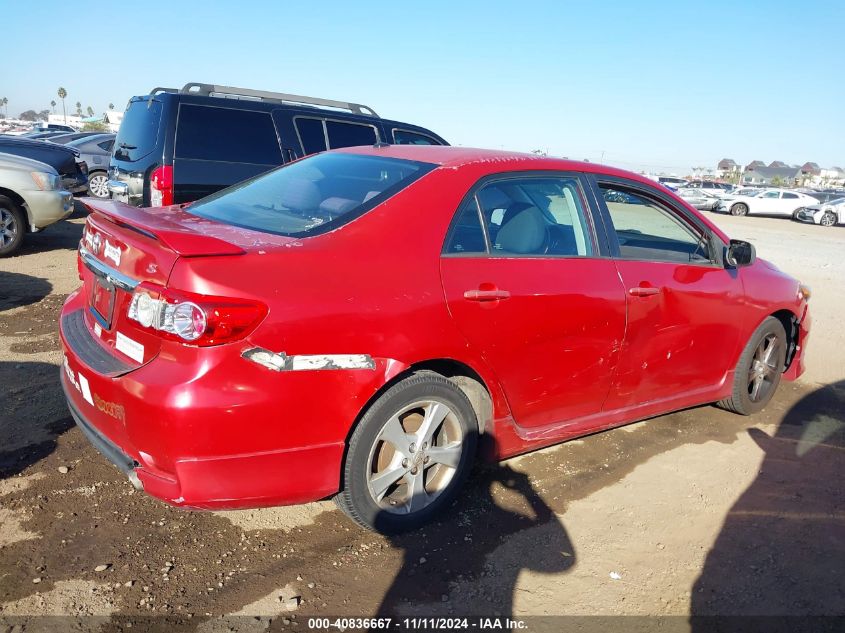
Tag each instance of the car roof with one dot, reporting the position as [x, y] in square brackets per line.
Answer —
[451, 156]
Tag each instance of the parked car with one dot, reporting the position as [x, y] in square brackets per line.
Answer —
[31, 198]
[253, 316]
[825, 196]
[44, 127]
[767, 202]
[710, 185]
[96, 151]
[671, 182]
[41, 134]
[65, 160]
[66, 137]
[828, 213]
[180, 145]
[701, 199]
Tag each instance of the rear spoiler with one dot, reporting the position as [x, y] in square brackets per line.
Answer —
[156, 224]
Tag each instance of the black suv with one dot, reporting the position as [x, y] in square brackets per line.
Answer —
[176, 146]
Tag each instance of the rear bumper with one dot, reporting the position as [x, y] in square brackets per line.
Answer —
[199, 432]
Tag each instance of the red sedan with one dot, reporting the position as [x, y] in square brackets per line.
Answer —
[363, 323]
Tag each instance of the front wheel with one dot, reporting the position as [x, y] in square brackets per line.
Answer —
[12, 226]
[828, 219]
[409, 455]
[98, 184]
[739, 209]
[759, 369]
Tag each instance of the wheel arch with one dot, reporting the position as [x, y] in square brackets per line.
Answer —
[790, 324]
[18, 200]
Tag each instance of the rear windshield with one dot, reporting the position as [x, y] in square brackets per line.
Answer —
[139, 130]
[311, 196]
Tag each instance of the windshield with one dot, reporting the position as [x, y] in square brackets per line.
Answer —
[138, 132]
[311, 196]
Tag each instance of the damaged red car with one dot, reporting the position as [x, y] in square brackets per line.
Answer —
[366, 323]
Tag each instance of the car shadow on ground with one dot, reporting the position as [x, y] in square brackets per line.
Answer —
[63, 235]
[18, 289]
[781, 550]
[33, 414]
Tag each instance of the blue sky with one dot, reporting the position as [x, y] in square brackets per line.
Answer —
[655, 85]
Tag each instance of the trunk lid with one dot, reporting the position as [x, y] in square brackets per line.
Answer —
[123, 247]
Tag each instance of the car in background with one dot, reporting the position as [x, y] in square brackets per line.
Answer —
[711, 185]
[31, 198]
[699, 198]
[828, 213]
[44, 127]
[778, 202]
[235, 352]
[65, 160]
[66, 137]
[180, 145]
[96, 151]
[41, 134]
[825, 196]
[672, 182]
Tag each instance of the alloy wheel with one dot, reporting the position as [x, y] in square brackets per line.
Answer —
[763, 370]
[98, 186]
[739, 209]
[415, 457]
[8, 228]
[828, 219]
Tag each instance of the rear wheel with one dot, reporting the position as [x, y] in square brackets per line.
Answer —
[12, 226]
[828, 219]
[740, 208]
[759, 369]
[409, 455]
[98, 184]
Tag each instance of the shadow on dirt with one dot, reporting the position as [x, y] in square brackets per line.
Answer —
[63, 235]
[781, 550]
[18, 289]
[33, 414]
[448, 568]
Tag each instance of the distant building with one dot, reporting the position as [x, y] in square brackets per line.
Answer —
[763, 175]
[755, 163]
[726, 167]
[778, 163]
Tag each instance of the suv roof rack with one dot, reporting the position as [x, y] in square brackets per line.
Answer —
[159, 89]
[210, 90]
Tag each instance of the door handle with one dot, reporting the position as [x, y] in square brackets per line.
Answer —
[486, 295]
[643, 291]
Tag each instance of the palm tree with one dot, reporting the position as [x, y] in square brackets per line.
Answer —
[4, 102]
[111, 106]
[90, 111]
[53, 105]
[62, 94]
[79, 109]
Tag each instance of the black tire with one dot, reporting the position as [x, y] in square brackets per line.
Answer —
[828, 219]
[796, 212]
[753, 364]
[740, 208]
[12, 226]
[96, 185]
[356, 495]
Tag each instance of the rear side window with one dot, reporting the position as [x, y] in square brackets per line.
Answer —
[791, 196]
[311, 134]
[221, 134]
[406, 137]
[524, 216]
[311, 196]
[106, 145]
[138, 132]
[350, 134]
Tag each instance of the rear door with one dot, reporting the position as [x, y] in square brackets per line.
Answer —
[685, 309]
[216, 147]
[138, 148]
[531, 289]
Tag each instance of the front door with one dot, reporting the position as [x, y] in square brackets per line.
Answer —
[529, 289]
[685, 311]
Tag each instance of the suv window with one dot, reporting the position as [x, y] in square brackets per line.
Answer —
[106, 145]
[406, 137]
[138, 133]
[222, 134]
[342, 134]
[648, 230]
[542, 215]
[311, 134]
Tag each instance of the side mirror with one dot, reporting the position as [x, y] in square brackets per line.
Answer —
[740, 253]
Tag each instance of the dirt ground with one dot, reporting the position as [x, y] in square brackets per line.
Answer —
[697, 513]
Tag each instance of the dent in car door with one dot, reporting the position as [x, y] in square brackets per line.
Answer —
[685, 312]
[549, 324]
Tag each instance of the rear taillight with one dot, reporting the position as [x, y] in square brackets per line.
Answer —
[195, 319]
[161, 186]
